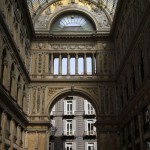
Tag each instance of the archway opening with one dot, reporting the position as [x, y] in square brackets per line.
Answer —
[72, 119]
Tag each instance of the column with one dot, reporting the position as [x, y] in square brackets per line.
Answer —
[52, 64]
[85, 65]
[68, 65]
[93, 63]
[60, 64]
[76, 66]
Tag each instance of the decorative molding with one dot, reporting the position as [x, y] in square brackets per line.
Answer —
[52, 91]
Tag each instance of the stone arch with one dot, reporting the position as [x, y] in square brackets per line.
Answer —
[72, 91]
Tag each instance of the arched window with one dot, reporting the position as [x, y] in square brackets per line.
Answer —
[18, 90]
[73, 21]
[24, 98]
[3, 66]
[12, 80]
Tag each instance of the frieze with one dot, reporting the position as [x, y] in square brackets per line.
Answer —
[63, 46]
[72, 47]
[52, 91]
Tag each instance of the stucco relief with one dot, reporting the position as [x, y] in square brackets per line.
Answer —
[45, 17]
[72, 46]
[52, 91]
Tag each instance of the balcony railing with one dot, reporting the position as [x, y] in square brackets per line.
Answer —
[89, 113]
[92, 132]
[68, 112]
[69, 132]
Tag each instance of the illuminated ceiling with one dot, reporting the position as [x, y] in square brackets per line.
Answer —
[43, 10]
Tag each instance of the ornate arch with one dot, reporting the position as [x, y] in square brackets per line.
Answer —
[98, 16]
[72, 91]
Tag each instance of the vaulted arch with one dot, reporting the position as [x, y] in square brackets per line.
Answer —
[76, 92]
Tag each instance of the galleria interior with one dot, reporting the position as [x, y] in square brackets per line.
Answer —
[74, 74]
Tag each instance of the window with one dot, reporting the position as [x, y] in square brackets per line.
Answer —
[68, 146]
[8, 128]
[51, 145]
[69, 127]
[88, 108]
[73, 22]
[146, 119]
[148, 146]
[90, 146]
[90, 129]
[69, 107]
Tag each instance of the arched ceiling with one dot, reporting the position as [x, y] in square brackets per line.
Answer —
[37, 7]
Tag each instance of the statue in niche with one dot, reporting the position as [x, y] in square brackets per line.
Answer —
[43, 20]
[104, 23]
[48, 11]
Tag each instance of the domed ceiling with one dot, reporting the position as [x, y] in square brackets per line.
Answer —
[45, 12]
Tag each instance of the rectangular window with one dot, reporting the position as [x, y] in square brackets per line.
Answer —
[90, 146]
[90, 127]
[88, 108]
[69, 108]
[148, 145]
[68, 146]
[69, 128]
[51, 146]
[146, 119]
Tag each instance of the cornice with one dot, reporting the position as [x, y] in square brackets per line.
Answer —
[84, 35]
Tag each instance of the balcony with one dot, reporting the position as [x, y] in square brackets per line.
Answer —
[89, 134]
[89, 114]
[68, 114]
[56, 114]
[70, 134]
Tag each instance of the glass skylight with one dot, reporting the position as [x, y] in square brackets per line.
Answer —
[72, 22]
